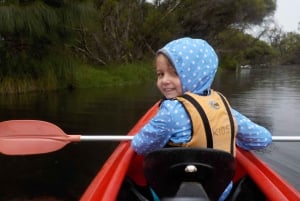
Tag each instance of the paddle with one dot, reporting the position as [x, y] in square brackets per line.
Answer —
[23, 137]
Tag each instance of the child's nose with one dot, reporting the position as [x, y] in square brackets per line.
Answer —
[166, 79]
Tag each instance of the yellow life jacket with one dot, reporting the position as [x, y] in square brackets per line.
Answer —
[213, 125]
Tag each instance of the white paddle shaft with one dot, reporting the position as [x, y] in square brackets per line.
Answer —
[105, 137]
[129, 137]
[286, 138]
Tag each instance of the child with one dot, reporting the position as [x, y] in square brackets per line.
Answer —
[191, 113]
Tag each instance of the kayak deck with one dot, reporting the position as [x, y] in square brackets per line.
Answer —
[124, 162]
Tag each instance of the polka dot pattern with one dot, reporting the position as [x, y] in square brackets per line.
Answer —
[250, 136]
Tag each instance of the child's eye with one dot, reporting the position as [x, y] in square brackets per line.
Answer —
[159, 74]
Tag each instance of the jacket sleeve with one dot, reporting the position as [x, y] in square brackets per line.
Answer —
[154, 135]
[250, 136]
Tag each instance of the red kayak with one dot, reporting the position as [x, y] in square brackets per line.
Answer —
[252, 177]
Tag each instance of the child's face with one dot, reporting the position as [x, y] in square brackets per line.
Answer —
[168, 81]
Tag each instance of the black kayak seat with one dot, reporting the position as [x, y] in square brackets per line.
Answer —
[167, 169]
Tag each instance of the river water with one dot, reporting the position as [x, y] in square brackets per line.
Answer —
[268, 96]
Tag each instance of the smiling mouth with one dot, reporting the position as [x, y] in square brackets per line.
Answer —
[168, 90]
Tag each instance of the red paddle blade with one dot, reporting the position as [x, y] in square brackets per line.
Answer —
[23, 137]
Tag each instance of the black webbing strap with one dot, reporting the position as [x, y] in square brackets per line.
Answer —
[231, 122]
[204, 119]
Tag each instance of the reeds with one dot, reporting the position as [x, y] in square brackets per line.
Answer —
[57, 74]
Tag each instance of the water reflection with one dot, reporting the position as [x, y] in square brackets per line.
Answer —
[66, 173]
[269, 96]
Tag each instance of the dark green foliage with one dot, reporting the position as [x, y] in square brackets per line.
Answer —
[237, 48]
[131, 30]
[290, 48]
[47, 37]
[34, 30]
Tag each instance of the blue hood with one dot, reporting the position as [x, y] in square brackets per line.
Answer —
[195, 62]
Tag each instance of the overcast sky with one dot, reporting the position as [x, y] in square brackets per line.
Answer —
[287, 14]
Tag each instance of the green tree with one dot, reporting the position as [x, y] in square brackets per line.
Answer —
[33, 30]
[239, 49]
[124, 31]
[260, 54]
[42, 36]
[290, 48]
[132, 29]
[113, 33]
[207, 18]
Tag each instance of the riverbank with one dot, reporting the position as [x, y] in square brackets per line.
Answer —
[81, 76]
